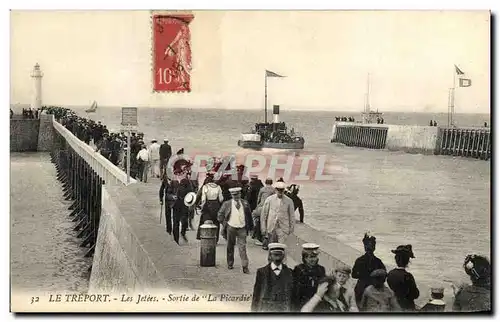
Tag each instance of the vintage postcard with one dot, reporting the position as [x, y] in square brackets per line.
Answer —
[250, 161]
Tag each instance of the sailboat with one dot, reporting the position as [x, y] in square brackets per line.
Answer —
[92, 108]
[368, 115]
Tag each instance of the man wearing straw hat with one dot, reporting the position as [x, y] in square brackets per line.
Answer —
[273, 286]
[278, 216]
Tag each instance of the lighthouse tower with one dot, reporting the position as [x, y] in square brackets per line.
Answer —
[37, 75]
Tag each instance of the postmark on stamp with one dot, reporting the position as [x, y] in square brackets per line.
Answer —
[172, 53]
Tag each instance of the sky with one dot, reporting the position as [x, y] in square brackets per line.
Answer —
[326, 56]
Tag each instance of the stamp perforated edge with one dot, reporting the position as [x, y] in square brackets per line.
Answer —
[152, 13]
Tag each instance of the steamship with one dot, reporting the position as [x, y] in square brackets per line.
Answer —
[273, 135]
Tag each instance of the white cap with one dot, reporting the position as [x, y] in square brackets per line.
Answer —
[280, 185]
[235, 190]
[276, 247]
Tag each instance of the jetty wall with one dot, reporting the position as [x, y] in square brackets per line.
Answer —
[121, 261]
[467, 142]
[31, 135]
[412, 139]
[24, 135]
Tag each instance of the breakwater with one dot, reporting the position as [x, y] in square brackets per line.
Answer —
[31, 135]
[467, 142]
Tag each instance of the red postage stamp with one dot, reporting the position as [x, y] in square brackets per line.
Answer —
[172, 53]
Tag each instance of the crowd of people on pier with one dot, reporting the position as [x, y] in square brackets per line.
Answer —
[144, 160]
[30, 113]
[345, 119]
[268, 216]
[241, 207]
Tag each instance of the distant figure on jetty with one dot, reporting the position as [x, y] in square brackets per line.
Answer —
[475, 297]
[402, 282]
[165, 154]
[344, 119]
[143, 163]
[306, 276]
[436, 303]
[433, 123]
[12, 114]
[154, 156]
[485, 124]
[364, 266]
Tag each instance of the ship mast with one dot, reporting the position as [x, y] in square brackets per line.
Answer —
[367, 95]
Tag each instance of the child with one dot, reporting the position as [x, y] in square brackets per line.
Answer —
[436, 303]
[378, 297]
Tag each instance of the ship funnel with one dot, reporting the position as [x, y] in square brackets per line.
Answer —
[276, 113]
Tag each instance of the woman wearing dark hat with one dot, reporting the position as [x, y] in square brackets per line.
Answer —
[364, 265]
[402, 282]
[475, 297]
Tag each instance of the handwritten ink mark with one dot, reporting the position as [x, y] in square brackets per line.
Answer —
[168, 50]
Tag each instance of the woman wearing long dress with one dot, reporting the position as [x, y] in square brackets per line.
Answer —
[211, 201]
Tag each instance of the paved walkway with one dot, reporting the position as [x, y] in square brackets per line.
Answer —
[189, 274]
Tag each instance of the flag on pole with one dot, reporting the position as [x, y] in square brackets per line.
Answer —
[459, 72]
[464, 82]
[272, 74]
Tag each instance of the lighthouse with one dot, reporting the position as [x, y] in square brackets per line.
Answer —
[37, 75]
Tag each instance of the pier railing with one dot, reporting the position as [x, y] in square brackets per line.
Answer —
[372, 137]
[467, 142]
[83, 173]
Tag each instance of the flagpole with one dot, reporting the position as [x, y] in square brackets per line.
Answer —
[265, 97]
[452, 105]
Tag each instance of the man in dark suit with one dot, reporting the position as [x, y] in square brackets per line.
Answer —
[273, 287]
[180, 210]
[293, 193]
[236, 219]
[165, 154]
